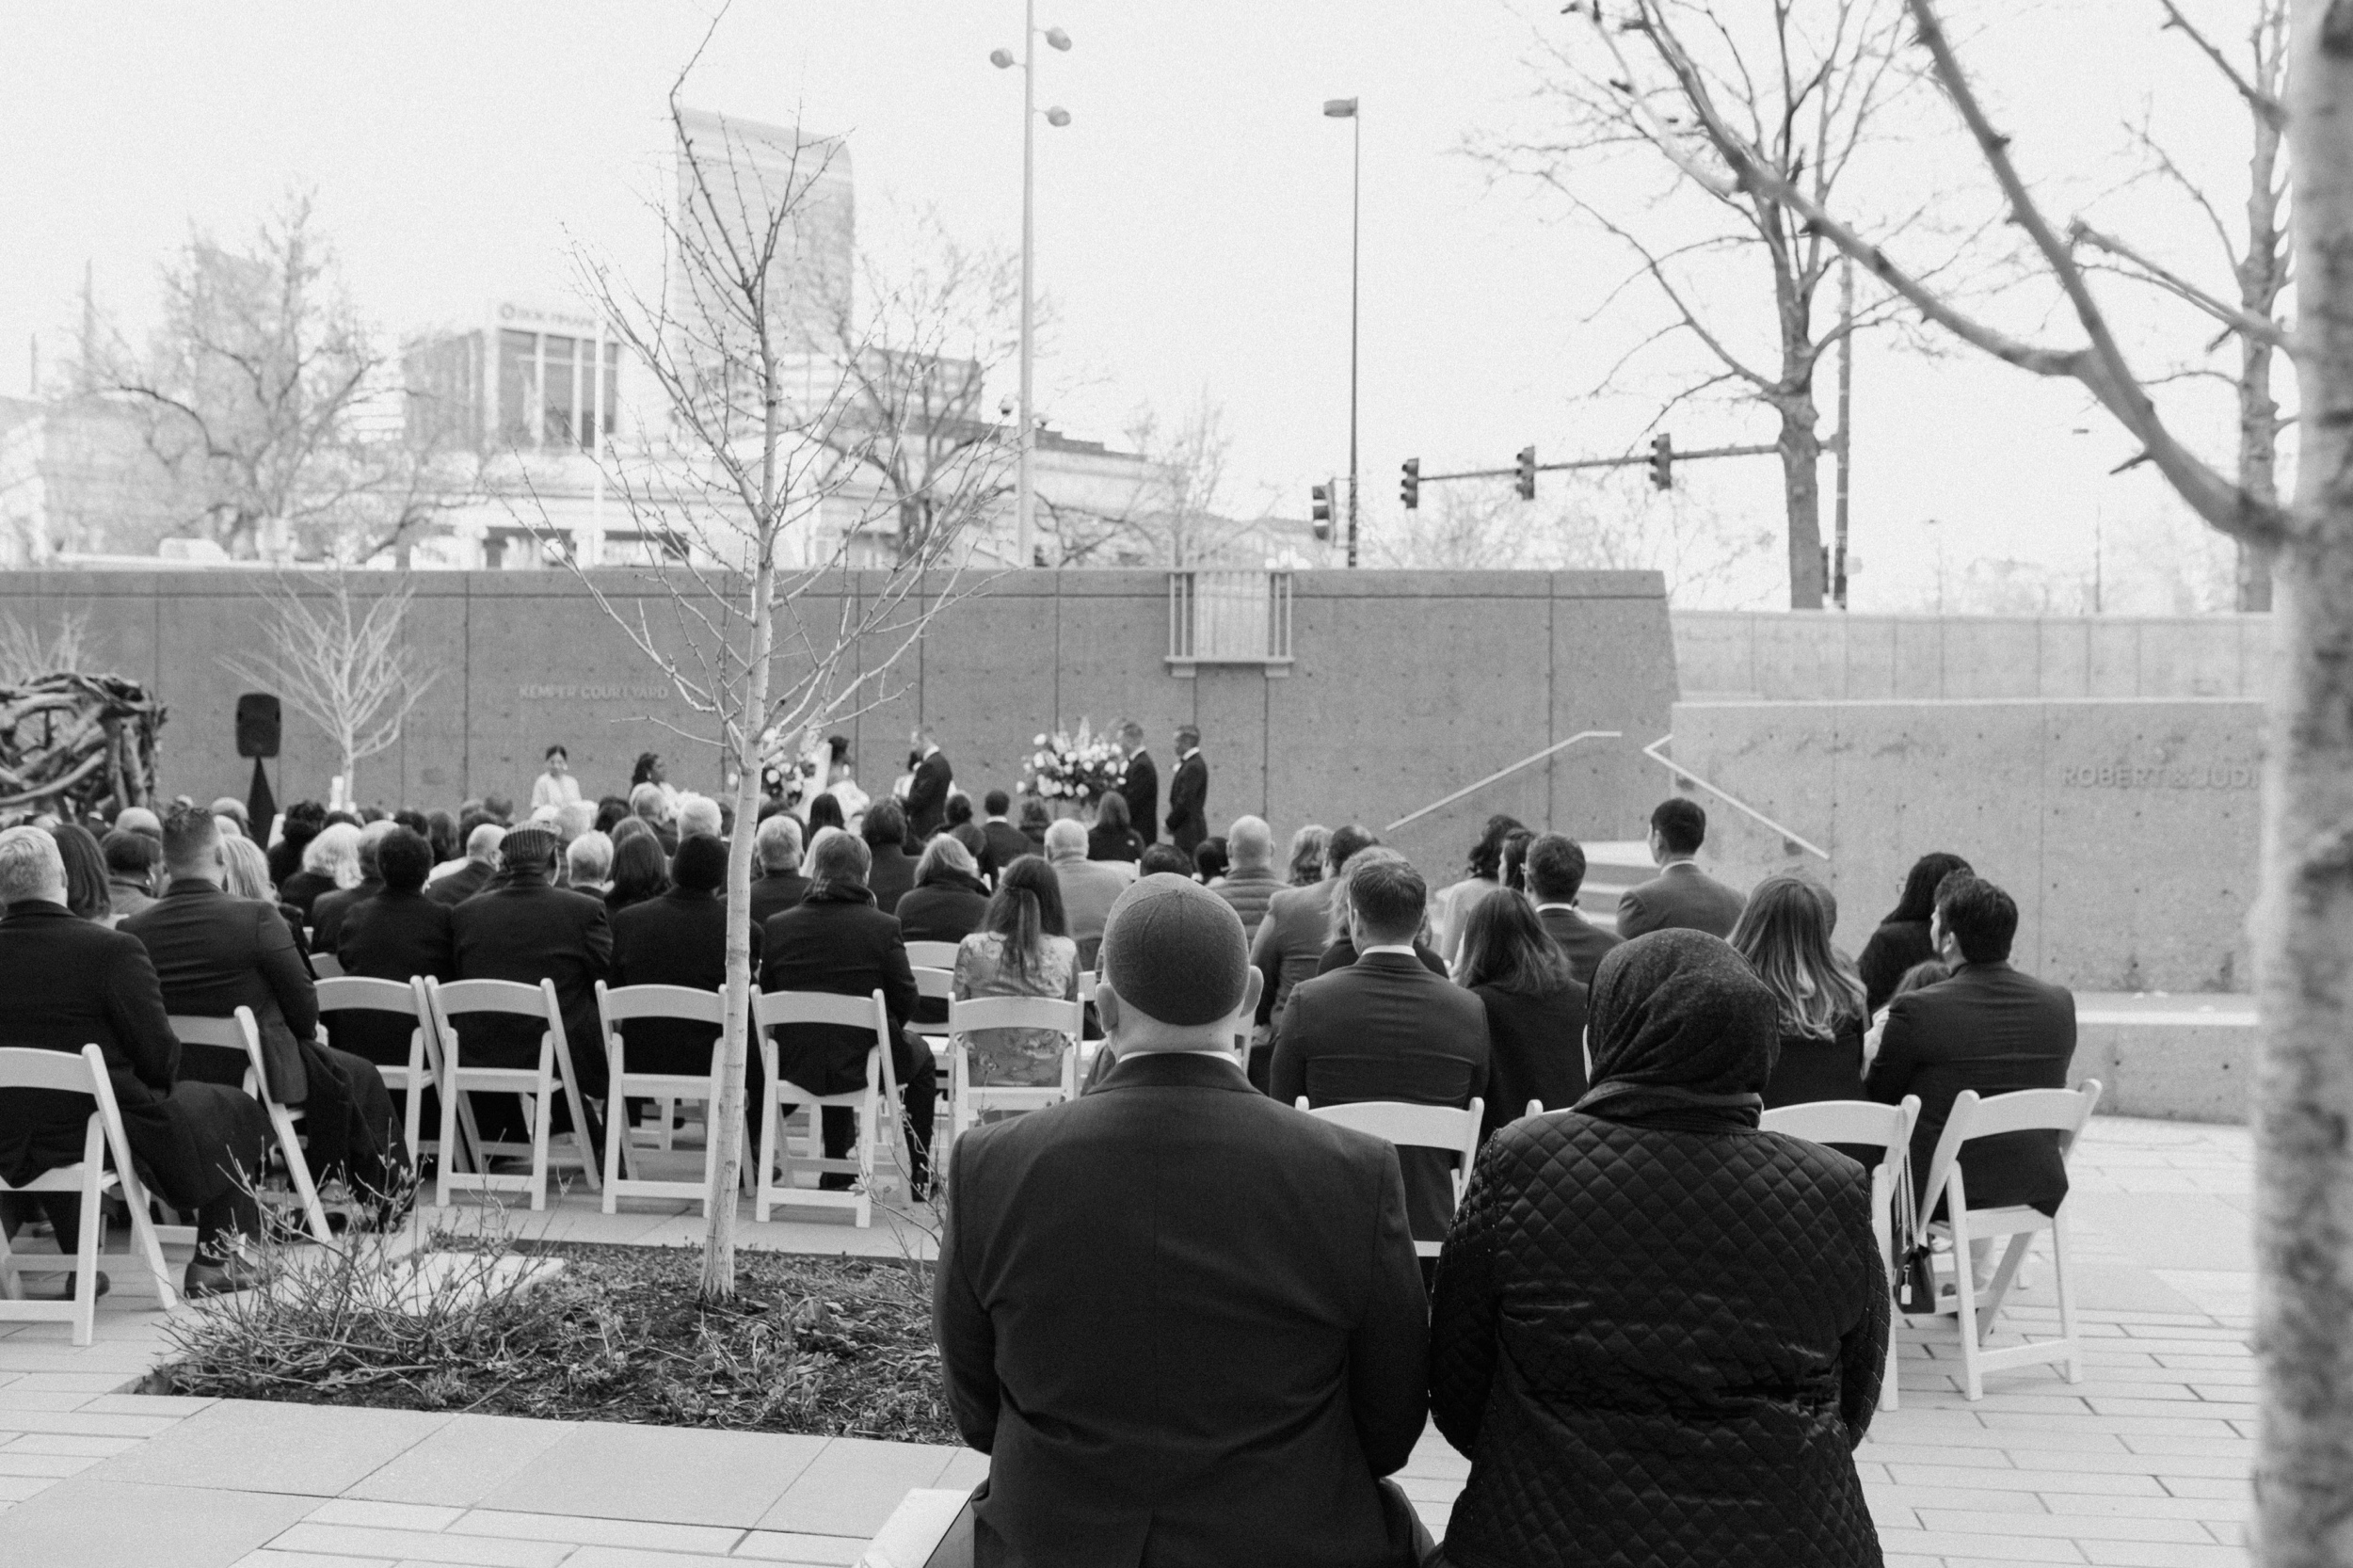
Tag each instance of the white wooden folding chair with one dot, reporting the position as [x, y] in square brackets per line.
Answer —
[616, 1005]
[933, 955]
[89, 1179]
[538, 1084]
[2062, 1112]
[409, 1078]
[1419, 1127]
[326, 966]
[876, 1104]
[1885, 1127]
[968, 1100]
[240, 1033]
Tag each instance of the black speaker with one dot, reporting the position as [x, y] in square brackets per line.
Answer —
[257, 725]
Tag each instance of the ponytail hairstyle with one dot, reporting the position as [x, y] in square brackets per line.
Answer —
[1025, 910]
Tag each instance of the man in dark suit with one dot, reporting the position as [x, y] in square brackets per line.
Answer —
[780, 884]
[837, 940]
[1006, 842]
[482, 863]
[213, 953]
[1140, 788]
[1189, 793]
[1386, 1029]
[1988, 1028]
[1184, 1322]
[680, 939]
[67, 983]
[330, 910]
[529, 930]
[396, 934]
[1555, 870]
[1681, 897]
[927, 791]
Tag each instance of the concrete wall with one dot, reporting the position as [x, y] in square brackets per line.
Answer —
[2126, 830]
[1406, 686]
[1826, 656]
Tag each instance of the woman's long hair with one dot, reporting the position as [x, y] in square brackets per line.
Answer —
[1512, 862]
[248, 869]
[1486, 857]
[1785, 935]
[335, 854]
[824, 810]
[441, 831]
[86, 895]
[1025, 910]
[1505, 945]
[1306, 867]
[1113, 813]
[639, 871]
[1919, 899]
[643, 772]
[944, 853]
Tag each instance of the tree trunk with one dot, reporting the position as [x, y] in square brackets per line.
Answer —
[1801, 485]
[2258, 463]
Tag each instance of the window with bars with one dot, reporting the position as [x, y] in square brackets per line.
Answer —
[1230, 617]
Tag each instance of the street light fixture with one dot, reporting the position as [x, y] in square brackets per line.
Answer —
[1024, 494]
[1345, 108]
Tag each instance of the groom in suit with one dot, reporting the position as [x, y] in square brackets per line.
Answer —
[1141, 787]
[1189, 793]
[927, 794]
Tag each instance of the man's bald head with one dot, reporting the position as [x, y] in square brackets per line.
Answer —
[1250, 842]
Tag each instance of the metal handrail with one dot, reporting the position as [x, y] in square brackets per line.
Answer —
[1742, 807]
[1506, 773]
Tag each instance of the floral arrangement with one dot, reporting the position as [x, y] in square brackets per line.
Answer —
[1080, 767]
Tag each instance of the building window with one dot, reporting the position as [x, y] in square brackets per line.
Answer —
[518, 388]
[549, 392]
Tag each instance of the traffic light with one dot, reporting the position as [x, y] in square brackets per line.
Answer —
[1527, 481]
[1662, 462]
[1409, 489]
[1322, 513]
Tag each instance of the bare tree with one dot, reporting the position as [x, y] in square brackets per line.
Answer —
[25, 655]
[2303, 921]
[1172, 512]
[345, 663]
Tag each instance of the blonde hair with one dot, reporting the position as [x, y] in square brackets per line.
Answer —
[1783, 933]
[246, 868]
[335, 853]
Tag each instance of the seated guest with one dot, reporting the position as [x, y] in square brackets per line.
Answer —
[574, 818]
[640, 871]
[780, 886]
[835, 940]
[1785, 935]
[394, 935]
[1653, 1322]
[824, 810]
[1112, 837]
[139, 819]
[949, 898]
[1185, 1324]
[680, 939]
[966, 832]
[650, 803]
[1164, 861]
[1035, 819]
[482, 862]
[612, 810]
[330, 910]
[330, 862]
[1209, 862]
[1006, 842]
[499, 809]
[131, 862]
[1452, 904]
[67, 983]
[88, 897]
[588, 864]
[1988, 1028]
[1681, 897]
[1535, 1009]
[697, 814]
[1515, 858]
[1902, 937]
[1555, 871]
[1250, 878]
[214, 952]
[1021, 950]
[1291, 939]
[1386, 1027]
[298, 824]
[1341, 951]
[245, 874]
[441, 831]
[1928, 972]
[1089, 888]
[231, 808]
[884, 830]
[1303, 862]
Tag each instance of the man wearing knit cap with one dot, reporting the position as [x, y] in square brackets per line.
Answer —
[1185, 1322]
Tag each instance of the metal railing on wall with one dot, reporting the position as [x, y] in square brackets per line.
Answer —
[1230, 617]
[1790, 842]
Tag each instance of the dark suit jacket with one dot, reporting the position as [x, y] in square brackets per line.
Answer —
[836, 942]
[461, 884]
[1580, 938]
[1991, 1029]
[774, 892]
[1386, 1029]
[1536, 1050]
[528, 931]
[1342, 953]
[1681, 897]
[927, 796]
[893, 875]
[213, 953]
[1106, 842]
[1188, 804]
[392, 937]
[680, 939]
[331, 911]
[1186, 1325]
[1893, 950]
[1141, 789]
[1006, 843]
[304, 889]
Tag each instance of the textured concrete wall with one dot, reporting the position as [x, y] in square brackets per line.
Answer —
[1407, 686]
[1826, 656]
[2126, 830]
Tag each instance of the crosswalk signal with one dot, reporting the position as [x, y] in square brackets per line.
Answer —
[1527, 481]
[1662, 462]
[1321, 495]
[1409, 489]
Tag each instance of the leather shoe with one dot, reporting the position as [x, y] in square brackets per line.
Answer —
[219, 1279]
[65, 1290]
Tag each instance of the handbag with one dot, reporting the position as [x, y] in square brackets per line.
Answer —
[1915, 1265]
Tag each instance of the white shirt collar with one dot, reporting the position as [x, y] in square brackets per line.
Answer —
[1189, 756]
[1569, 907]
[1406, 948]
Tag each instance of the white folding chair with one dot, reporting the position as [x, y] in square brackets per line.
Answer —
[931, 956]
[1885, 1127]
[240, 1033]
[536, 1084]
[102, 1138]
[1420, 1127]
[966, 1100]
[410, 1079]
[681, 1003]
[326, 966]
[2062, 1112]
[876, 1104]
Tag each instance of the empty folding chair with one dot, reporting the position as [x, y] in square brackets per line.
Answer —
[875, 1103]
[89, 1179]
[2061, 1113]
[1417, 1126]
[422, 1065]
[616, 1005]
[1864, 1122]
[448, 1003]
[238, 1032]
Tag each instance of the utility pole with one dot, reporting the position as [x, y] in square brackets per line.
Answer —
[1846, 424]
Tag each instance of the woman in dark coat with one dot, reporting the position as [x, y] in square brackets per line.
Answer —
[1535, 1007]
[1902, 938]
[1113, 837]
[1783, 933]
[1658, 1331]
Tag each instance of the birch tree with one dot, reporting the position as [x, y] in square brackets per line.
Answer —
[344, 662]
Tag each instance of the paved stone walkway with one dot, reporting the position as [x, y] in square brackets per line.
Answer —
[2143, 1462]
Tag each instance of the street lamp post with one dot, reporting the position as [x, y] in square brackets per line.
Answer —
[1024, 494]
[1345, 108]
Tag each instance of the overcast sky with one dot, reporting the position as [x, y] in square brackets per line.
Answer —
[1192, 220]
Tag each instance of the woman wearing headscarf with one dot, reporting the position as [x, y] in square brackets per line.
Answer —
[1655, 1322]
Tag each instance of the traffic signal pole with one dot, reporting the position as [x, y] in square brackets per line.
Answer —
[1642, 462]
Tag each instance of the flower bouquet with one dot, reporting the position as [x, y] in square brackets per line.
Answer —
[1079, 767]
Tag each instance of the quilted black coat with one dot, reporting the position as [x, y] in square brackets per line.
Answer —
[1658, 1332]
